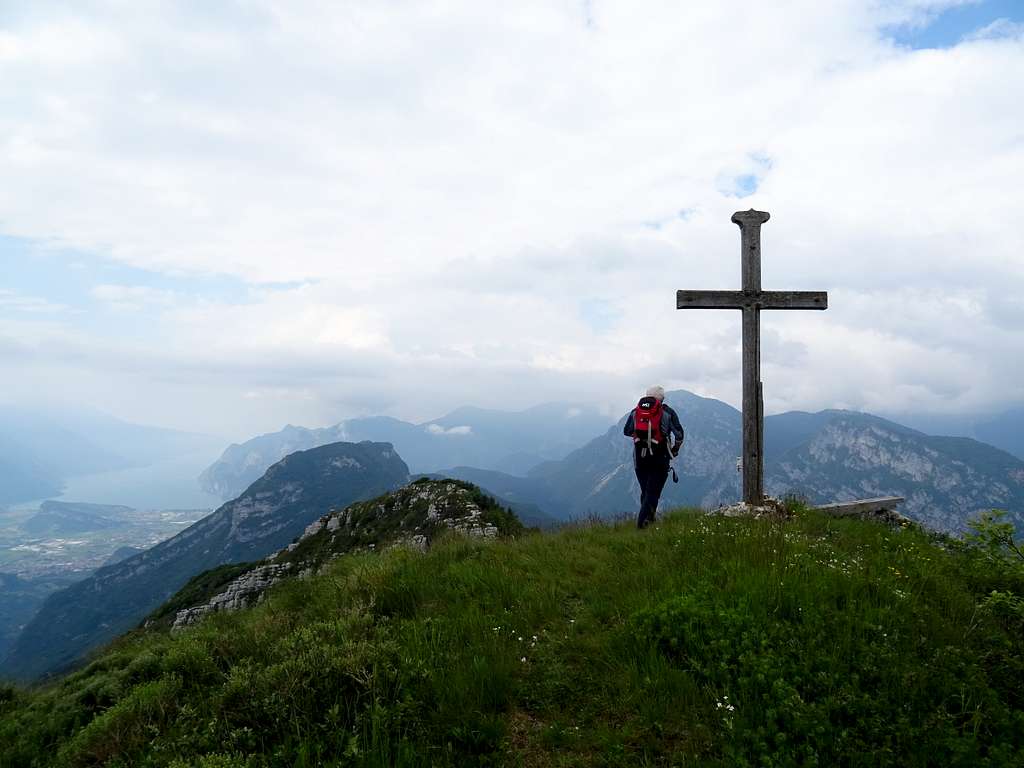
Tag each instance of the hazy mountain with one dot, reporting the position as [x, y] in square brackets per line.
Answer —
[1003, 430]
[20, 598]
[508, 441]
[122, 553]
[826, 456]
[21, 478]
[40, 450]
[62, 518]
[241, 465]
[138, 444]
[272, 511]
[36, 455]
[946, 480]
[598, 478]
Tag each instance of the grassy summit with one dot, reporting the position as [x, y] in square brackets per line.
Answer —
[701, 641]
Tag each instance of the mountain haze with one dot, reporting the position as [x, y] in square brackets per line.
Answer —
[40, 450]
[61, 518]
[272, 511]
[1003, 430]
[508, 441]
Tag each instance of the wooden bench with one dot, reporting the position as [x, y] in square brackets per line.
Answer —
[862, 507]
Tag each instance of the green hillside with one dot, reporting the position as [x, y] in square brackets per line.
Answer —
[699, 641]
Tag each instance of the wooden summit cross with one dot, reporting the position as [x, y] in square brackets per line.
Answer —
[752, 300]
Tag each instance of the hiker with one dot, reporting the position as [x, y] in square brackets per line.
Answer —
[651, 425]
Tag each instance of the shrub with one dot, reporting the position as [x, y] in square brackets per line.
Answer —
[707, 641]
[189, 659]
[785, 692]
[215, 761]
[124, 728]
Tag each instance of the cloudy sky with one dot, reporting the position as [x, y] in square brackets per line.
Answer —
[228, 216]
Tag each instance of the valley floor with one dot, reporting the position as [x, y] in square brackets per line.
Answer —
[699, 641]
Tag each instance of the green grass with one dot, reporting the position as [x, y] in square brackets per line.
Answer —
[699, 641]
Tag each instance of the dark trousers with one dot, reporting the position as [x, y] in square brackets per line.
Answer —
[651, 473]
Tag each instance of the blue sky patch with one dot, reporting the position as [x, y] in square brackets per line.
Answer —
[743, 185]
[68, 281]
[744, 179]
[683, 214]
[953, 25]
[68, 277]
[599, 314]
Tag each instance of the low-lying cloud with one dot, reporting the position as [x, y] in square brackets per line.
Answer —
[460, 431]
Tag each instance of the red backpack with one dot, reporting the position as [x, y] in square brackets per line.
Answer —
[647, 420]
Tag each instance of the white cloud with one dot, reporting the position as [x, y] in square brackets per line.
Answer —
[453, 182]
[998, 28]
[10, 300]
[437, 429]
[134, 297]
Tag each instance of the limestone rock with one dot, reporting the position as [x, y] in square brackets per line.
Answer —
[409, 517]
[240, 593]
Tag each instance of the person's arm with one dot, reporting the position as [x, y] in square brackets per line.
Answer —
[629, 429]
[676, 428]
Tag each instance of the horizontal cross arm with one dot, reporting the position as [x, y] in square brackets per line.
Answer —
[794, 300]
[756, 299]
[710, 300]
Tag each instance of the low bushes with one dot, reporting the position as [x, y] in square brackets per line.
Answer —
[700, 640]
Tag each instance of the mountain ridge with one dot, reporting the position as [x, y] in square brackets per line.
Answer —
[831, 455]
[488, 438]
[412, 516]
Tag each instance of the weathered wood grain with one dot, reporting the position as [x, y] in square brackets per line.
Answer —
[757, 300]
[861, 506]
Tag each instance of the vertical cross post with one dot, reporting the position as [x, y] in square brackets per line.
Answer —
[750, 223]
[751, 300]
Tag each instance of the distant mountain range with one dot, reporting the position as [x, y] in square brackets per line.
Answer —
[1002, 430]
[40, 450]
[826, 456]
[272, 511]
[823, 457]
[62, 518]
[508, 441]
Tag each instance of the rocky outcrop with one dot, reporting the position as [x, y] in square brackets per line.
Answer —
[243, 591]
[410, 517]
[945, 480]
